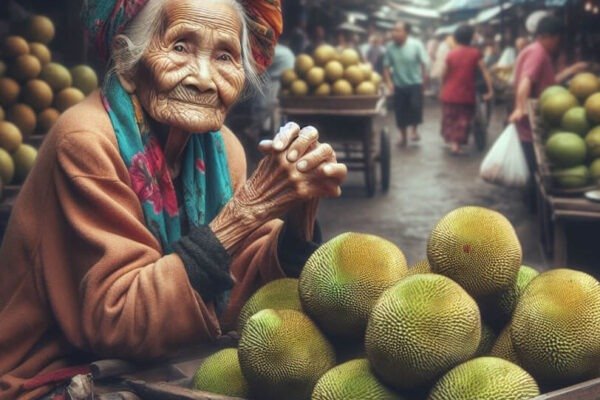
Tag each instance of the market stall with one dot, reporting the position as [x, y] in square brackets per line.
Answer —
[559, 205]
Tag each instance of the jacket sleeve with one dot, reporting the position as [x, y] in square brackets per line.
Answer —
[134, 301]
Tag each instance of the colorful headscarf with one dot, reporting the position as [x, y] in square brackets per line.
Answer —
[105, 19]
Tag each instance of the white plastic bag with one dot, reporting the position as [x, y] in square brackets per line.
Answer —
[505, 162]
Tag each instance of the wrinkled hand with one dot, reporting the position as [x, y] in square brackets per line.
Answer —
[578, 67]
[296, 169]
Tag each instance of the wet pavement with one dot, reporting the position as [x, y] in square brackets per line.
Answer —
[426, 183]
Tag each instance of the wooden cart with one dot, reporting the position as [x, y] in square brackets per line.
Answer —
[348, 124]
[557, 208]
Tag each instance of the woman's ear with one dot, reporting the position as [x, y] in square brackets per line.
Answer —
[121, 53]
[127, 83]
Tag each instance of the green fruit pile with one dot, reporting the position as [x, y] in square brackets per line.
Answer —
[469, 322]
[34, 90]
[330, 72]
[571, 118]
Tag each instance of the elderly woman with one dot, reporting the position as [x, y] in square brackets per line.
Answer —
[137, 232]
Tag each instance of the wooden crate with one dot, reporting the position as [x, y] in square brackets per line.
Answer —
[342, 104]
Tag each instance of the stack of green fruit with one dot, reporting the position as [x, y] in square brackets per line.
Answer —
[34, 91]
[571, 119]
[329, 72]
[469, 322]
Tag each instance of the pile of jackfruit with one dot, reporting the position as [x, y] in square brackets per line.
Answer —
[469, 322]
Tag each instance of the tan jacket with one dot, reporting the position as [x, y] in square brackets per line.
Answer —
[79, 271]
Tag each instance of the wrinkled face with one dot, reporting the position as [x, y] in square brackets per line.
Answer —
[399, 33]
[192, 71]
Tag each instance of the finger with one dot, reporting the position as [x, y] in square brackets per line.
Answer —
[306, 138]
[323, 152]
[324, 188]
[286, 135]
[334, 171]
[265, 146]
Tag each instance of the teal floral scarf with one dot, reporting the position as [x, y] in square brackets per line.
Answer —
[205, 180]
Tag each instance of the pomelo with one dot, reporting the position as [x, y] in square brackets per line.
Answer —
[573, 177]
[584, 85]
[84, 78]
[334, 70]
[349, 57]
[303, 64]
[315, 76]
[323, 54]
[595, 170]
[366, 88]
[324, 89]
[551, 91]
[287, 77]
[566, 150]
[592, 140]
[575, 120]
[592, 108]
[299, 88]
[354, 74]
[342, 87]
[556, 106]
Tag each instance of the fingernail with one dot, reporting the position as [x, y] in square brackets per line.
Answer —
[302, 165]
[278, 144]
[328, 170]
[265, 142]
[308, 131]
[293, 155]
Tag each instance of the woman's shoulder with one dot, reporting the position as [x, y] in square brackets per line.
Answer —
[84, 141]
[87, 119]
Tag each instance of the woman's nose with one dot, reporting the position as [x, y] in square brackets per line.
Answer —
[202, 77]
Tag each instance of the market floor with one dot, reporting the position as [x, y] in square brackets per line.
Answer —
[426, 183]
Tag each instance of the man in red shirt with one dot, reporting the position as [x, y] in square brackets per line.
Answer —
[534, 72]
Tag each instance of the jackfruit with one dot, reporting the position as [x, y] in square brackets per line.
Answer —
[38, 94]
[485, 378]
[283, 354]
[352, 380]
[23, 117]
[281, 294]
[221, 374]
[343, 279]
[421, 267]
[488, 338]
[420, 328]
[555, 326]
[10, 136]
[476, 247]
[503, 347]
[498, 308]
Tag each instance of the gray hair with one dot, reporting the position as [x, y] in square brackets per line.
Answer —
[133, 42]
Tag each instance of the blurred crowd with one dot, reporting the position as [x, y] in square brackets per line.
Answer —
[467, 69]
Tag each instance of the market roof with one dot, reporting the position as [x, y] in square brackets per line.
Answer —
[489, 14]
[419, 12]
[462, 5]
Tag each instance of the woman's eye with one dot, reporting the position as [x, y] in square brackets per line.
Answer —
[180, 48]
[224, 57]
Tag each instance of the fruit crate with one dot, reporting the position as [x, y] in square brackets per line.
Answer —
[172, 380]
[544, 166]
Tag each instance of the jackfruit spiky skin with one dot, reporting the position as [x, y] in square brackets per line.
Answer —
[488, 338]
[476, 247]
[498, 308]
[555, 327]
[485, 378]
[280, 294]
[221, 374]
[283, 354]
[343, 279]
[422, 267]
[420, 328]
[503, 347]
[352, 380]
